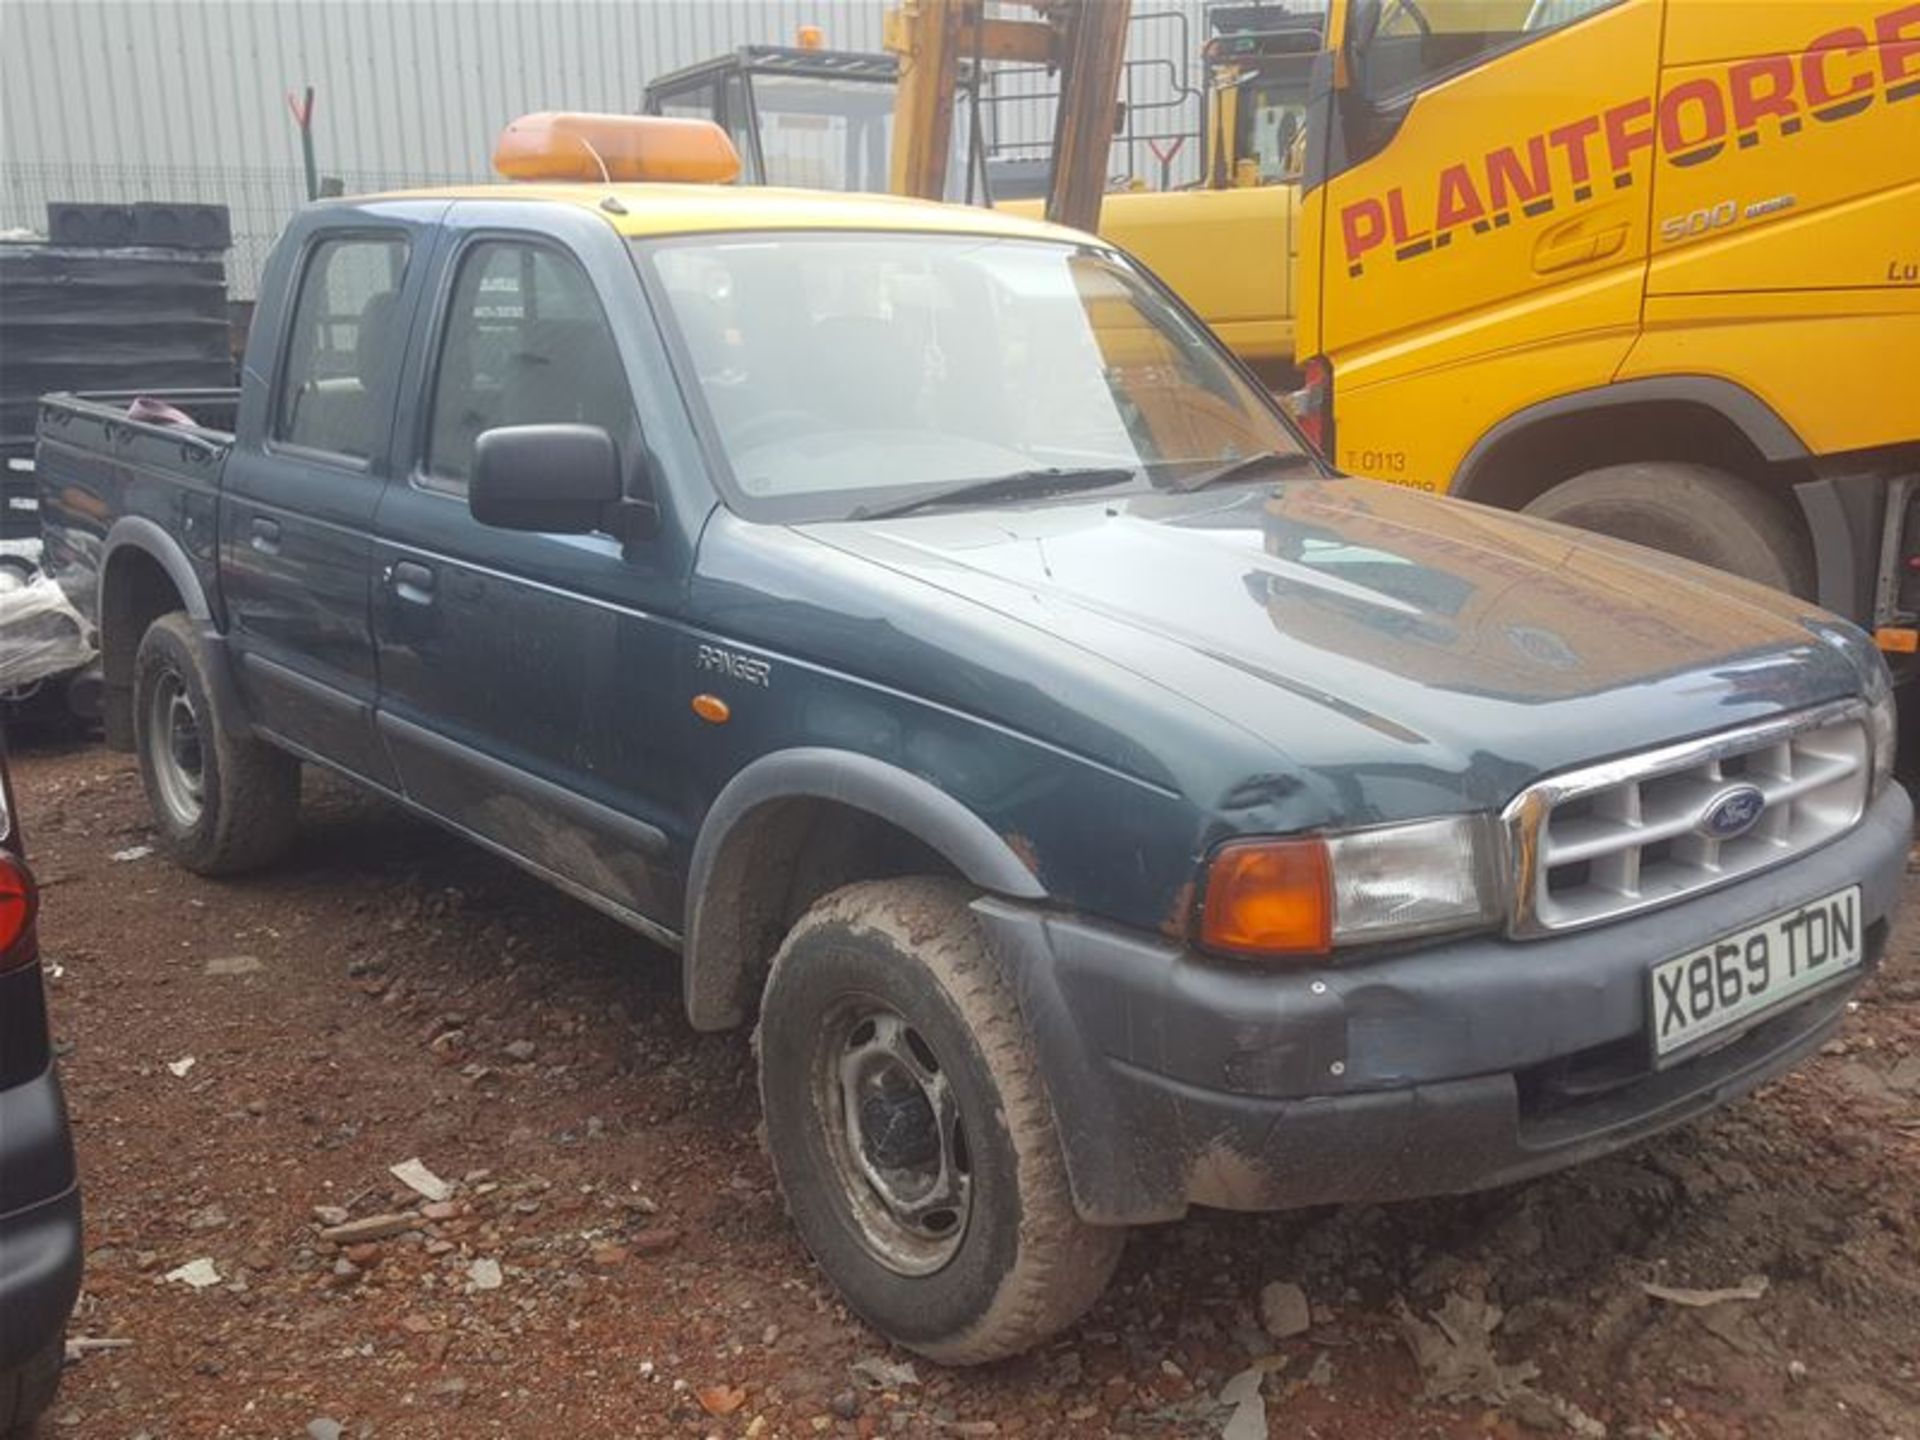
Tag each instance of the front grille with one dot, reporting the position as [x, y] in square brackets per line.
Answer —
[1632, 834]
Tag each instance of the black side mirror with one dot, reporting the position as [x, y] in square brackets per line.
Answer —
[560, 479]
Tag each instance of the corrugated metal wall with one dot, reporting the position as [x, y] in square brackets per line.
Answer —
[185, 99]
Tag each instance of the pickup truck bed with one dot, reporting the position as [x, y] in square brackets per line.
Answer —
[101, 415]
[95, 436]
[113, 468]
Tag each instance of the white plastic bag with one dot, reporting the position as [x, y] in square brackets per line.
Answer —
[41, 634]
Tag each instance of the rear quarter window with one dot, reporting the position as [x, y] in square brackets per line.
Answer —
[343, 346]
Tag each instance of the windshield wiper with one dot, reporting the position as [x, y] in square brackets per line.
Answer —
[1239, 469]
[1020, 485]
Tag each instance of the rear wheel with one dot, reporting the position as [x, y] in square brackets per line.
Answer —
[222, 802]
[911, 1132]
[1692, 511]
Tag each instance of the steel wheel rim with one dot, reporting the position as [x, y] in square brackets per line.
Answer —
[176, 751]
[894, 1131]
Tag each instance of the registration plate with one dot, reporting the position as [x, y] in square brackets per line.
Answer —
[1738, 976]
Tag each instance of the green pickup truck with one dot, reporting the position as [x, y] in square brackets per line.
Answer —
[914, 619]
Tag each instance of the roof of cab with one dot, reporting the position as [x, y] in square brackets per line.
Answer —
[654, 209]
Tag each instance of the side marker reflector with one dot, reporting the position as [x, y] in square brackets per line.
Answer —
[712, 709]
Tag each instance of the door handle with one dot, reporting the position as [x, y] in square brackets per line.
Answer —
[266, 535]
[1579, 241]
[411, 580]
[1613, 238]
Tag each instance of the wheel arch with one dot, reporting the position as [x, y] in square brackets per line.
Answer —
[1697, 418]
[798, 823]
[144, 574]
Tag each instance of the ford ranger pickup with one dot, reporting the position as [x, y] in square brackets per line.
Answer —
[912, 617]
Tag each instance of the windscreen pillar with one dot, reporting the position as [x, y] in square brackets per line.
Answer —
[1084, 40]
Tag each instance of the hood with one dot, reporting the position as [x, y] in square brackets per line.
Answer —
[1370, 631]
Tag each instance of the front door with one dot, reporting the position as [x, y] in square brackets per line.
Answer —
[521, 674]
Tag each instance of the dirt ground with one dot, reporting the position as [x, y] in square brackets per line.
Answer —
[614, 1261]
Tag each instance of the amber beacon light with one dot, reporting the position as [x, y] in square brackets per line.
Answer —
[579, 146]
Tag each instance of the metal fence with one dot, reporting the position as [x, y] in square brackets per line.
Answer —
[1161, 88]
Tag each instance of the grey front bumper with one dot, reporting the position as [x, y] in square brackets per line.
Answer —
[1179, 1080]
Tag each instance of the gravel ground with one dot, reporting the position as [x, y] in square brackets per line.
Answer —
[245, 1061]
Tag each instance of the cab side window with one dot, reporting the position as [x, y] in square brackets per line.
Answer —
[343, 347]
[1408, 45]
[525, 343]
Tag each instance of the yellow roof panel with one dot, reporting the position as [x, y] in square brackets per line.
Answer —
[655, 209]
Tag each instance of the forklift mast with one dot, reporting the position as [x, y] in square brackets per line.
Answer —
[1083, 40]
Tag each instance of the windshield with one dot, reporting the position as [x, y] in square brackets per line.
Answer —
[817, 132]
[827, 134]
[1271, 115]
[1270, 118]
[824, 134]
[848, 373]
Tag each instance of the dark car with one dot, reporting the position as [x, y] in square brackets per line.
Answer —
[39, 1192]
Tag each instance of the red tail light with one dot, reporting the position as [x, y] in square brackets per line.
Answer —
[1313, 405]
[17, 904]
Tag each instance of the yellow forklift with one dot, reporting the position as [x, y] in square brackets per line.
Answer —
[807, 115]
[918, 120]
[1229, 245]
[910, 120]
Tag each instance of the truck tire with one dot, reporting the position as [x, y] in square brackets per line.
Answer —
[26, 1393]
[222, 803]
[911, 1132]
[1692, 511]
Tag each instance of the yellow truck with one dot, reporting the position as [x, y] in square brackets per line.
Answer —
[1650, 267]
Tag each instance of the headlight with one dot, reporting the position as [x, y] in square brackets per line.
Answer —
[1308, 896]
[1883, 729]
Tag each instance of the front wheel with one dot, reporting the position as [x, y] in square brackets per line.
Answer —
[911, 1132]
[222, 802]
[1692, 511]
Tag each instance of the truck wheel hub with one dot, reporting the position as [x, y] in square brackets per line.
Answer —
[894, 1129]
[897, 1130]
[175, 752]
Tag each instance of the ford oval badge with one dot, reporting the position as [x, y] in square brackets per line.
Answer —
[1732, 813]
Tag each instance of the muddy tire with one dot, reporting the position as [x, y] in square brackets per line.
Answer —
[1691, 511]
[911, 1132]
[222, 803]
[26, 1393]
